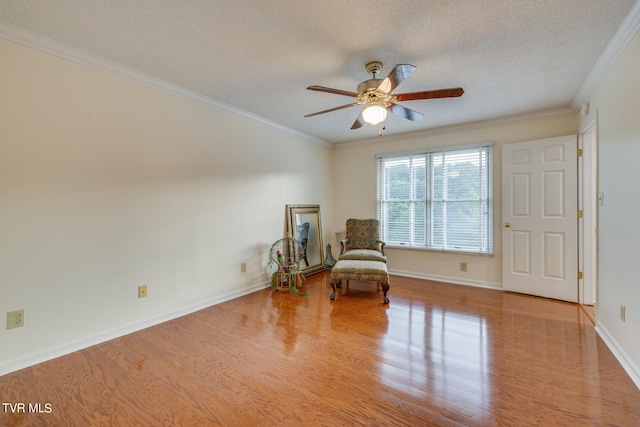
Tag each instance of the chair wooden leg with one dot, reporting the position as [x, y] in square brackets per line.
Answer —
[385, 289]
[335, 283]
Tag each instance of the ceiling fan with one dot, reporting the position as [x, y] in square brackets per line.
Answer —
[375, 94]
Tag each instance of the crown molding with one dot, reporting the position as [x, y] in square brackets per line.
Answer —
[626, 32]
[32, 40]
[481, 124]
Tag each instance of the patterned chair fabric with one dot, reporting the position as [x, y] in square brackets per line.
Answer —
[360, 270]
[363, 241]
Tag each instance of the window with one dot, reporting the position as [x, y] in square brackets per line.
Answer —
[438, 199]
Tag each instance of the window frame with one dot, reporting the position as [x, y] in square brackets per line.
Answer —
[484, 206]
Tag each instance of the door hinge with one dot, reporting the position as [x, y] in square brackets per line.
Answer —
[579, 152]
[580, 213]
[580, 275]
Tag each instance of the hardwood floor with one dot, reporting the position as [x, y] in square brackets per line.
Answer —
[438, 354]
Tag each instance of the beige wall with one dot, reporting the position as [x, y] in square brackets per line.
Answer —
[106, 184]
[355, 194]
[616, 101]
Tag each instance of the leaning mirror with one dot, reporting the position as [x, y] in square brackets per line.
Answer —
[303, 224]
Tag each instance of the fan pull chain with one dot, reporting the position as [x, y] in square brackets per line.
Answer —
[382, 127]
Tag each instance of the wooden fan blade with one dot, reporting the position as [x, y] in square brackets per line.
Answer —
[430, 94]
[405, 113]
[331, 90]
[333, 109]
[359, 122]
[399, 73]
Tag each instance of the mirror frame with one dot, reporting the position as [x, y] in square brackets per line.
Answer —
[292, 211]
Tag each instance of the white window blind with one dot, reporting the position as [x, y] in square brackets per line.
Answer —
[440, 199]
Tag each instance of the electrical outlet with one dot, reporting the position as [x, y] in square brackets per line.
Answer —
[142, 291]
[623, 313]
[243, 267]
[463, 266]
[15, 319]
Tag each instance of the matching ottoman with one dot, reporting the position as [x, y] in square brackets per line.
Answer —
[360, 270]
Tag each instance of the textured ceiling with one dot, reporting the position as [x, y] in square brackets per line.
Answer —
[512, 57]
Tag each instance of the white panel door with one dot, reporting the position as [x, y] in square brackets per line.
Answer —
[539, 218]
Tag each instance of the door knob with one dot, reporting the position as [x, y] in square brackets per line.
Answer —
[506, 224]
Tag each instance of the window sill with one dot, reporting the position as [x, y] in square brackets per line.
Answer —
[442, 251]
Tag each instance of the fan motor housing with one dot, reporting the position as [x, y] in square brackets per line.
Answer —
[369, 93]
[369, 84]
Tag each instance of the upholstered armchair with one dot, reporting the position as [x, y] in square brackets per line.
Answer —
[363, 241]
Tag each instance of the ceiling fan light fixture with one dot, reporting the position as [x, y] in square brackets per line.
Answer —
[374, 114]
[376, 96]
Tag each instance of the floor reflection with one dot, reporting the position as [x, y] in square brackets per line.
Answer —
[439, 354]
[286, 306]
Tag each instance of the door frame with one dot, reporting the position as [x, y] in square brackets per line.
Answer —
[588, 200]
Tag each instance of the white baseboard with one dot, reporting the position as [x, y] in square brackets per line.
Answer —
[627, 364]
[80, 344]
[447, 279]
